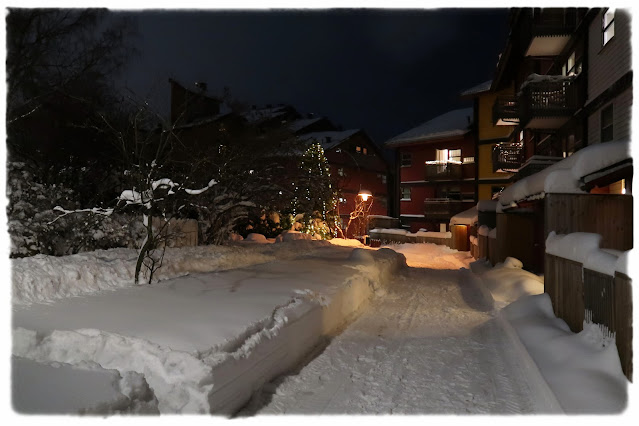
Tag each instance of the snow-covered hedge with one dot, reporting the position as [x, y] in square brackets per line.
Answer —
[33, 228]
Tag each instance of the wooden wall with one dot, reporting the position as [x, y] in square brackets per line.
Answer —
[516, 238]
[579, 293]
[564, 285]
[605, 214]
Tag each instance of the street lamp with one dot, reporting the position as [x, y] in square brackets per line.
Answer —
[362, 207]
[365, 194]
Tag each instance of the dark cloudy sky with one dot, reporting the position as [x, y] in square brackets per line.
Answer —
[381, 70]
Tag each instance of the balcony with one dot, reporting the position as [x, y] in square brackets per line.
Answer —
[444, 208]
[546, 31]
[437, 170]
[506, 111]
[549, 101]
[507, 157]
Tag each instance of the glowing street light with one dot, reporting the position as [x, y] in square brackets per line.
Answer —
[364, 194]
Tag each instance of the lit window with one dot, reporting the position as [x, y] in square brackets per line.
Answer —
[407, 159]
[608, 25]
[455, 155]
[572, 66]
[364, 151]
[468, 160]
[358, 149]
[405, 192]
[606, 124]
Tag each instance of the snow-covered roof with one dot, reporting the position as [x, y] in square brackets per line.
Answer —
[296, 125]
[565, 176]
[480, 88]
[329, 139]
[467, 217]
[255, 115]
[487, 206]
[204, 120]
[453, 123]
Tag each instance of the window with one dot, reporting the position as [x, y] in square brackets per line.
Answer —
[340, 171]
[364, 151]
[407, 159]
[358, 149]
[608, 25]
[383, 179]
[572, 66]
[455, 155]
[468, 160]
[405, 193]
[606, 124]
[441, 155]
[445, 155]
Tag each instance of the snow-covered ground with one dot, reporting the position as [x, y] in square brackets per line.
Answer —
[204, 342]
[430, 346]
[225, 323]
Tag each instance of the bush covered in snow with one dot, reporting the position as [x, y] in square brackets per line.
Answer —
[33, 228]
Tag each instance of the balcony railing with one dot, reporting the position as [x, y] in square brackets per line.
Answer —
[444, 208]
[549, 97]
[505, 111]
[436, 170]
[508, 157]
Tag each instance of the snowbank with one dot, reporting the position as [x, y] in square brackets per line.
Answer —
[256, 238]
[389, 231]
[483, 231]
[194, 338]
[44, 278]
[467, 217]
[293, 236]
[507, 282]
[582, 369]
[434, 256]
[622, 264]
[85, 389]
[346, 242]
[431, 234]
[576, 246]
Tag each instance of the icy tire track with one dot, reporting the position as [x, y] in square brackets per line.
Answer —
[430, 346]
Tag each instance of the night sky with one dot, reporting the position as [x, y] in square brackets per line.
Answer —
[381, 70]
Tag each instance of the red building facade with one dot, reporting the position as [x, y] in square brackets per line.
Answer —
[436, 169]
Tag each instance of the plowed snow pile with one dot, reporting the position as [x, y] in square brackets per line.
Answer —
[193, 338]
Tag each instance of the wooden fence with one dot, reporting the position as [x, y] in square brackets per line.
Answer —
[623, 321]
[178, 232]
[563, 283]
[482, 246]
[608, 215]
[492, 250]
[518, 237]
[390, 238]
[579, 294]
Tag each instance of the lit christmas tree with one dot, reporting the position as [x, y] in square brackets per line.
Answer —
[314, 196]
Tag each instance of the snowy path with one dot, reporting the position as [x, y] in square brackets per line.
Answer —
[430, 346]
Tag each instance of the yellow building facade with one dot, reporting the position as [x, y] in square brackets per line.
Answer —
[489, 135]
